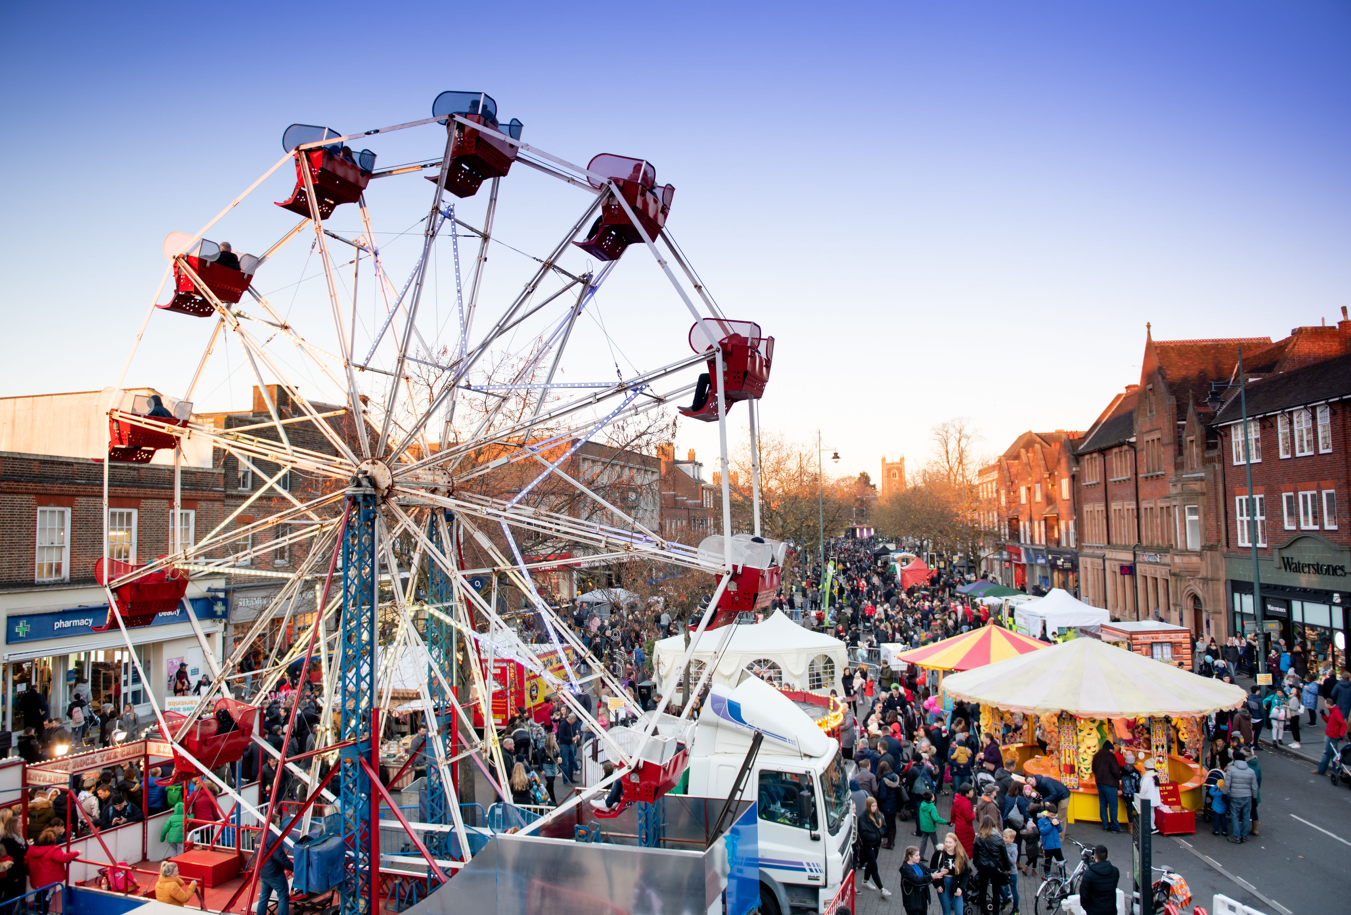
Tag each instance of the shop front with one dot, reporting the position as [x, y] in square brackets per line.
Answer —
[1064, 565]
[56, 653]
[1306, 588]
[288, 621]
[1038, 571]
[1019, 568]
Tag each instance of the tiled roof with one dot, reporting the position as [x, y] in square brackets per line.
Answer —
[1117, 425]
[1188, 366]
[1326, 380]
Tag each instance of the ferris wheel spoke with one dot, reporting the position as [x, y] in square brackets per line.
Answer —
[521, 299]
[344, 344]
[255, 351]
[317, 355]
[523, 651]
[520, 570]
[428, 237]
[217, 537]
[480, 262]
[559, 412]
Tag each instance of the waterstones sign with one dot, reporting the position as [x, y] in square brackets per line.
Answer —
[1308, 561]
[1296, 566]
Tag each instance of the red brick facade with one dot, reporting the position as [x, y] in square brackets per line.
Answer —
[29, 482]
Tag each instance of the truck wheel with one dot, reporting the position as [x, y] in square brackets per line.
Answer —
[769, 903]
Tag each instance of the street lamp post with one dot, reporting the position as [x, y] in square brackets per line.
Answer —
[1259, 617]
[821, 501]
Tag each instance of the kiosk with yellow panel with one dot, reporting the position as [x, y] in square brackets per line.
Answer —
[1074, 696]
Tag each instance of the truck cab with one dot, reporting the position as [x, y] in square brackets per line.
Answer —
[806, 815]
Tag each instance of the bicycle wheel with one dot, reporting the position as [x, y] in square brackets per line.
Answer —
[1049, 896]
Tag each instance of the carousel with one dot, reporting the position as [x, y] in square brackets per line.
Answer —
[1052, 710]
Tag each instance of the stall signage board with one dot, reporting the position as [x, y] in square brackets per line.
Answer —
[59, 771]
[1264, 679]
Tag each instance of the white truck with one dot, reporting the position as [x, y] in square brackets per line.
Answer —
[798, 778]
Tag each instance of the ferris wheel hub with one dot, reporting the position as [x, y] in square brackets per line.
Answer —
[377, 475]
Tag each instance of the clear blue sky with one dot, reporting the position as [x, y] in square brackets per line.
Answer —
[939, 209]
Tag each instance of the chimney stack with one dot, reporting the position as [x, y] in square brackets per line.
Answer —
[690, 456]
[1344, 332]
[666, 452]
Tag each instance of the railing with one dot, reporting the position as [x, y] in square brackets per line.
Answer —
[39, 901]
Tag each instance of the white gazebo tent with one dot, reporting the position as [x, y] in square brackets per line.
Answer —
[1058, 610]
[780, 650]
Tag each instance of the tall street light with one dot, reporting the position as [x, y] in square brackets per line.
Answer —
[1259, 617]
[821, 500]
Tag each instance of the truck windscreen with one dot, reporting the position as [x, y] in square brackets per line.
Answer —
[835, 791]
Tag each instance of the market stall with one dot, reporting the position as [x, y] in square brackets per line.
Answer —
[1077, 694]
[778, 650]
[969, 650]
[1058, 610]
[1153, 639]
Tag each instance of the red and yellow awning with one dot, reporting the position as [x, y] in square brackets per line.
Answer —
[972, 649]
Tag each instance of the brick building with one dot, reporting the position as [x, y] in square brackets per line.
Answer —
[1300, 430]
[987, 520]
[1152, 492]
[1037, 517]
[51, 535]
[687, 500]
[261, 575]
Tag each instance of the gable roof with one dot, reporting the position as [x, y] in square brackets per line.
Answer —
[1326, 380]
[1188, 366]
[1115, 425]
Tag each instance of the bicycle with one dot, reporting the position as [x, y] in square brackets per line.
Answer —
[1169, 889]
[1055, 889]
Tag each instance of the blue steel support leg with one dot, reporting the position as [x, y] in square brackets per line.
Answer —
[651, 823]
[356, 684]
[440, 639]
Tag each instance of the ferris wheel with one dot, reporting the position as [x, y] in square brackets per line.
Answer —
[429, 355]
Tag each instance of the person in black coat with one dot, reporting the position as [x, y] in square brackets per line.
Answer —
[272, 875]
[915, 882]
[991, 861]
[1097, 888]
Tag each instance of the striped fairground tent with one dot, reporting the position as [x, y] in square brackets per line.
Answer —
[971, 649]
[1092, 679]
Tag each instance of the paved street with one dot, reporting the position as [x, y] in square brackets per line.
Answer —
[1294, 867]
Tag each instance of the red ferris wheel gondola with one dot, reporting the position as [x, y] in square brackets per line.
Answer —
[747, 356]
[226, 274]
[338, 174]
[613, 231]
[475, 156]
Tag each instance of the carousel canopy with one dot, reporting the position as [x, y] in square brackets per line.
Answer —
[1092, 679]
[976, 648]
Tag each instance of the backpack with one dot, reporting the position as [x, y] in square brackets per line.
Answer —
[1130, 782]
[118, 878]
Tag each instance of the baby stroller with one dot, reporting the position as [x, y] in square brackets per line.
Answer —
[1340, 770]
[1213, 777]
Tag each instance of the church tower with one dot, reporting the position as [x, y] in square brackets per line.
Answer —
[893, 478]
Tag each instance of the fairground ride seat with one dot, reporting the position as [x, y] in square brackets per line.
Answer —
[216, 740]
[651, 777]
[129, 443]
[224, 273]
[475, 156]
[613, 231]
[339, 175]
[138, 602]
[757, 566]
[747, 356]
